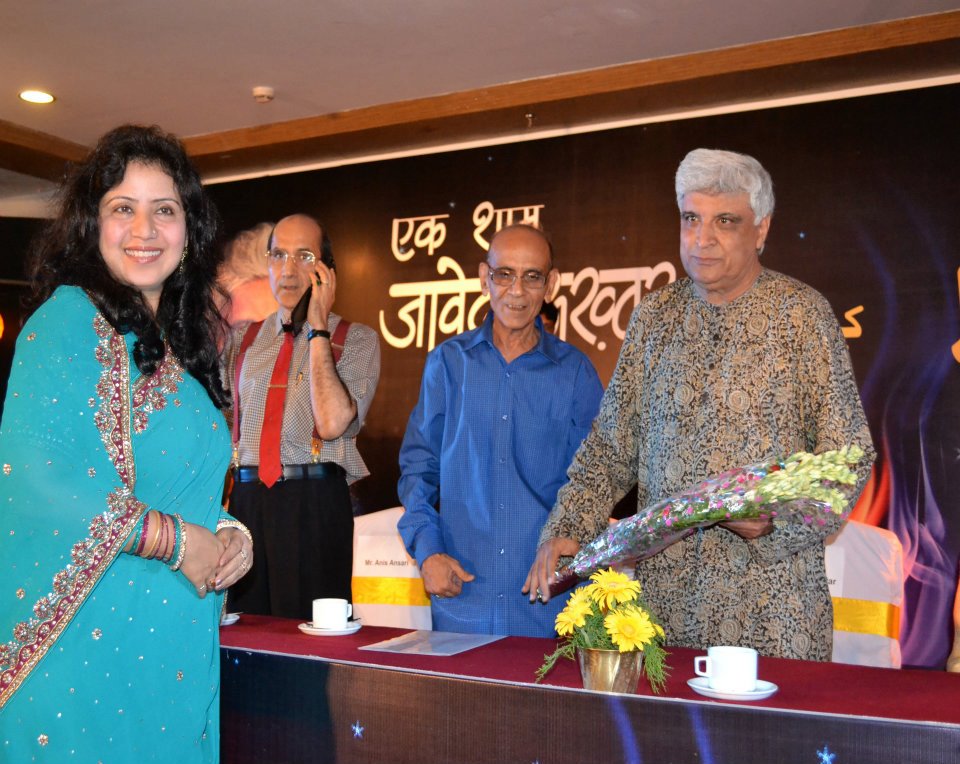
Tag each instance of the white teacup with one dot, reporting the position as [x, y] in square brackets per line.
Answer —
[728, 669]
[331, 613]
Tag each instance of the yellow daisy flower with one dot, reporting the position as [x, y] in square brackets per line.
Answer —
[611, 588]
[586, 591]
[582, 594]
[582, 607]
[629, 628]
[570, 618]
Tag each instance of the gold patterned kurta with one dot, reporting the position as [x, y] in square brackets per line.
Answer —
[700, 389]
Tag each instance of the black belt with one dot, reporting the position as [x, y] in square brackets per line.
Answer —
[293, 472]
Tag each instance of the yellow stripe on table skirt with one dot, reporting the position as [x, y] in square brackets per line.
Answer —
[866, 617]
[381, 590]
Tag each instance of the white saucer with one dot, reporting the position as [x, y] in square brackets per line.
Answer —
[352, 628]
[229, 619]
[763, 690]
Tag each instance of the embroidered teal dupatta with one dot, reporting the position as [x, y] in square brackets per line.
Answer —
[103, 656]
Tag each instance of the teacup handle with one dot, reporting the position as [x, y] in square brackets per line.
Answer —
[705, 660]
[349, 611]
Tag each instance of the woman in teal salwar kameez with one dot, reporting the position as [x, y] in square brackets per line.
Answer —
[114, 549]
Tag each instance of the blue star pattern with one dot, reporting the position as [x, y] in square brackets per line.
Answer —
[825, 756]
[357, 729]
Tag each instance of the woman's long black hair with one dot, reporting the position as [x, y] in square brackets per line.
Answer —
[68, 252]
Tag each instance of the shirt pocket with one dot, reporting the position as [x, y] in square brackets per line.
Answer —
[544, 454]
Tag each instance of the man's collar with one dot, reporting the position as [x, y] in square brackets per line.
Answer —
[484, 333]
[544, 346]
[547, 346]
[278, 322]
[277, 319]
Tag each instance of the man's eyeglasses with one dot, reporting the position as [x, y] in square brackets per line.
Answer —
[507, 276]
[304, 257]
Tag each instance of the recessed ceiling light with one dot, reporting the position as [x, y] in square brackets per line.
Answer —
[36, 96]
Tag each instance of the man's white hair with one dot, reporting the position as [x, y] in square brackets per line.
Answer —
[245, 257]
[712, 171]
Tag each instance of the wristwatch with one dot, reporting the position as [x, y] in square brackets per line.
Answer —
[314, 333]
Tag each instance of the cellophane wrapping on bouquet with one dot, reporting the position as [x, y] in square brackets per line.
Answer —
[809, 487]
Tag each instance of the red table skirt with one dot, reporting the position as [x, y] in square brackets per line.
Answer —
[803, 686]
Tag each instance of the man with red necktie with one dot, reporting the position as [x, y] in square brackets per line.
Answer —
[302, 383]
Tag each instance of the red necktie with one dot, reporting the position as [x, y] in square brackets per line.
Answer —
[273, 414]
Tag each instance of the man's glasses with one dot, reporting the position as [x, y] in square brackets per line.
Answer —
[506, 277]
[304, 257]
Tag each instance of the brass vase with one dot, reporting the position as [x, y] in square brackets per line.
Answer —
[610, 670]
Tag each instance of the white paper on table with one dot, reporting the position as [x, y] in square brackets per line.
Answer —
[432, 643]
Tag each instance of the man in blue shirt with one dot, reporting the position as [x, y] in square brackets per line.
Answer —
[502, 410]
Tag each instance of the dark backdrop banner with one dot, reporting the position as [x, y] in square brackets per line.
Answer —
[866, 201]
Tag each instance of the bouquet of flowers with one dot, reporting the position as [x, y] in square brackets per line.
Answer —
[804, 485]
[609, 614]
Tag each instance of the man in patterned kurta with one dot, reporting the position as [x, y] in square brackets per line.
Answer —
[733, 365]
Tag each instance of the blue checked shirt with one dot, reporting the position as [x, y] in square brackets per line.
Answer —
[488, 444]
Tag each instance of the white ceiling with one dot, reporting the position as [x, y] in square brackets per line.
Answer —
[190, 65]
